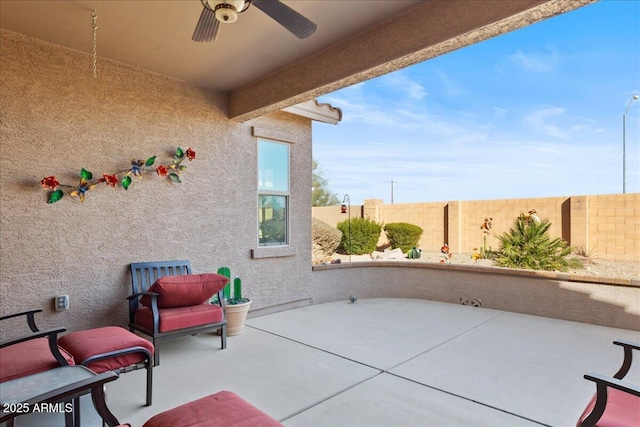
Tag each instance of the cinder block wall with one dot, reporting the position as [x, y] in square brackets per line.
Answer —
[607, 226]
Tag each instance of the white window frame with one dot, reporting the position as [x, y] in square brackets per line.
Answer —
[263, 191]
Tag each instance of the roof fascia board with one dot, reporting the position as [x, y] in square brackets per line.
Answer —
[394, 44]
[314, 110]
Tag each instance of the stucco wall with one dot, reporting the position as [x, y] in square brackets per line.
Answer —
[548, 294]
[57, 119]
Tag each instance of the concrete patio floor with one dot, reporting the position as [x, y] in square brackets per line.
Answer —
[382, 362]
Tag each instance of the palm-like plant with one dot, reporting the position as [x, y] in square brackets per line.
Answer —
[528, 245]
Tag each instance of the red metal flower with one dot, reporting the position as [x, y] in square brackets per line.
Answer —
[162, 170]
[191, 154]
[49, 183]
[111, 180]
[444, 249]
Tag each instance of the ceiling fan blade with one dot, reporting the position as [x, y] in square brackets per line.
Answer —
[207, 27]
[300, 26]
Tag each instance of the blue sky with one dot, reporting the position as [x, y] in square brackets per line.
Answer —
[532, 113]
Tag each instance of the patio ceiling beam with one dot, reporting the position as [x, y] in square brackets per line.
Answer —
[426, 31]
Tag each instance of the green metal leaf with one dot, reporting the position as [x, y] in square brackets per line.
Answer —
[179, 153]
[85, 174]
[126, 182]
[55, 196]
[150, 161]
[182, 167]
[174, 177]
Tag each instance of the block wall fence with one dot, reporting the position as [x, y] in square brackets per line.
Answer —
[606, 226]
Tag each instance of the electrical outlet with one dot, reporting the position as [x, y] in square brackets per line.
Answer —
[61, 302]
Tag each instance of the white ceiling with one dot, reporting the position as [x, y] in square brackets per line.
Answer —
[156, 35]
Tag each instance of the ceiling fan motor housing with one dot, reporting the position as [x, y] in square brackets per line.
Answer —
[226, 10]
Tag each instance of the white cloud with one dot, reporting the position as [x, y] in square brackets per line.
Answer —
[541, 120]
[499, 112]
[449, 86]
[401, 82]
[535, 61]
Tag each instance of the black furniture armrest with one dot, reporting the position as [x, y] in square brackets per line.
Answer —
[133, 306]
[139, 294]
[606, 381]
[602, 383]
[30, 317]
[52, 337]
[628, 347]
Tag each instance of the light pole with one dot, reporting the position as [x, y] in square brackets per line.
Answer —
[624, 144]
[347, 209]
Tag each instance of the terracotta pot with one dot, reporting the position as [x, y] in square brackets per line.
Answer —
[236, 315]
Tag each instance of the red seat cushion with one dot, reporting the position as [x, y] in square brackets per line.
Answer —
[27, 358]
[223, 409]
[185, 290]
[180, 317]
[623, 410]
[84, 344]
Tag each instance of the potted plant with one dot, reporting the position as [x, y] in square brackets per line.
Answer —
[236, 308]
[236, 305]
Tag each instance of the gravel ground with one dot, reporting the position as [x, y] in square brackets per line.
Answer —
[592, 266]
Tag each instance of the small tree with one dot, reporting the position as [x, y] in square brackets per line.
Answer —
[403, 235]
[361, 237]
[528, 245]
[320, 195]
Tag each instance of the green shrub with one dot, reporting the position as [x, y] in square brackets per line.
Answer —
[272, 231]
[363, 238]
[403, 235]
[528, 245]
[325, 237]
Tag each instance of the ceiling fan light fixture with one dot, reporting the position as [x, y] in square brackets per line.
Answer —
[227, 10]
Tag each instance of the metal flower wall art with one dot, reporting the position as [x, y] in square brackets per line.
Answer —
[137, 168]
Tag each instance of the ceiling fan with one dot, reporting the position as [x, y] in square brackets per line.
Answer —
[226, 11]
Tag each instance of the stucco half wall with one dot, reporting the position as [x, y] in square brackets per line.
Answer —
[57, 119]
[549, 294]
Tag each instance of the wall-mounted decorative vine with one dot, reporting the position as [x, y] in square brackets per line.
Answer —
[111, 180]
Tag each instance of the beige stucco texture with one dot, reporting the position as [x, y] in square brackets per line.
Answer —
[57, 119]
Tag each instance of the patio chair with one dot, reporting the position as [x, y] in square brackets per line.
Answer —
[222, 409]
[616, 402]
[31, 353]
[169, 302]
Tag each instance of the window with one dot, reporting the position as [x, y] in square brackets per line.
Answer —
[273, 193]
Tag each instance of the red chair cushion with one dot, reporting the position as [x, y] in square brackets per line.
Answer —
[223, 409]
[185, 290]
[180, 317]
[91, 342]
[28, 358]
[623, 410]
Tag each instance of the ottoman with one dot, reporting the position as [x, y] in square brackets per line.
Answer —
[110, 348]
[223, 409]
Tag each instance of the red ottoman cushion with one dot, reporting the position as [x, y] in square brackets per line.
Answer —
[223, 409]
[180, 317]
[27, 358]
[185, 290]
[91, 342]
[621, 410]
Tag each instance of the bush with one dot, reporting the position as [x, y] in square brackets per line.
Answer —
[364, 236]
[403, 235]
[272, 231]
[325, 238]
[528, 245]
